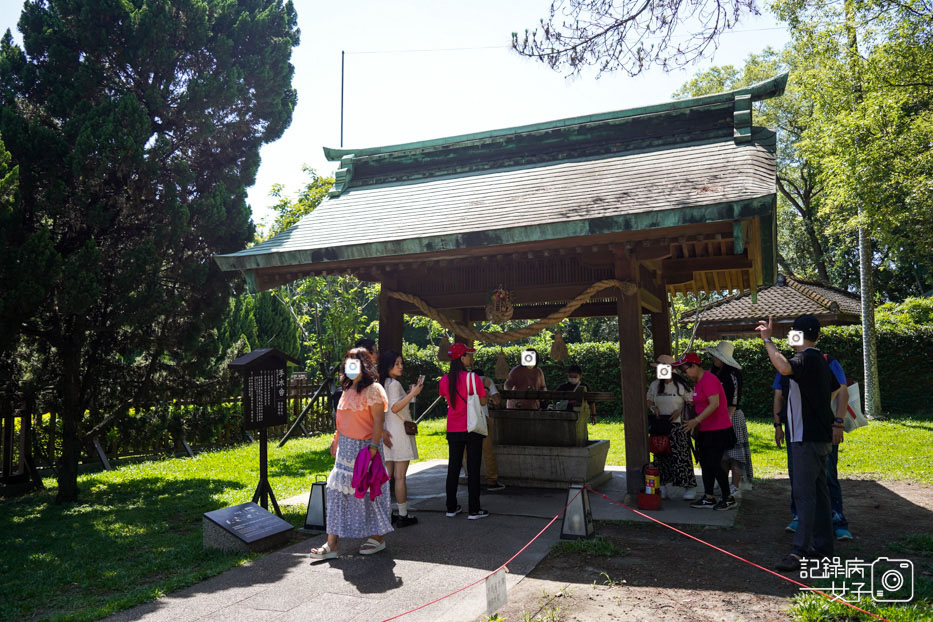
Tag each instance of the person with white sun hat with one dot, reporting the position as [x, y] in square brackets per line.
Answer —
[738, 460]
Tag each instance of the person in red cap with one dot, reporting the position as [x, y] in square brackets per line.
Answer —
[457, 386]
[715, 434]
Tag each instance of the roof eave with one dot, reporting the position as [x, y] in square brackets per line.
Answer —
[766, 89]
[732, 210]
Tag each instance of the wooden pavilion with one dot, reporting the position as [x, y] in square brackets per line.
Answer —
[671, 198]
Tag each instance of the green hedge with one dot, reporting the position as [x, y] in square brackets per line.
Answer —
[905, 367]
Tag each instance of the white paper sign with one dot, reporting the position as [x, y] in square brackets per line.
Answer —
[497, 596]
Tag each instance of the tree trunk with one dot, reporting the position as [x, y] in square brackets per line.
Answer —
[817, 251]
[72, 413]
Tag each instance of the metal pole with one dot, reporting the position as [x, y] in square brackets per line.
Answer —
[342, 56]
[263, 470]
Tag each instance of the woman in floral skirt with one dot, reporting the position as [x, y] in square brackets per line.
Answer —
[360, 419]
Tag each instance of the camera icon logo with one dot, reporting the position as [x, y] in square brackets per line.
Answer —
[664, 372]
[892, 580]
[795, 337]
[351, 367]
[529, 358]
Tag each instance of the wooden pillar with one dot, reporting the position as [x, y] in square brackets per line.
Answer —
[391, 320]
[461, 315]
[631, 355]
[661, 324]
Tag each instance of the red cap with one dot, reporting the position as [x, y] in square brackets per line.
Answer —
[689, 357]
[459, 349]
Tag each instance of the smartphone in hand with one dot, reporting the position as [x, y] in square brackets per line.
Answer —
[421, 379]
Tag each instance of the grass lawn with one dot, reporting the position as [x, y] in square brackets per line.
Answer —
[137, 532]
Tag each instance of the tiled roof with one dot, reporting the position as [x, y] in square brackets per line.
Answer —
[561, 199]
[795, 298]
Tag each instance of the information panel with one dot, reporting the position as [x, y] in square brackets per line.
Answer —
[265, 398]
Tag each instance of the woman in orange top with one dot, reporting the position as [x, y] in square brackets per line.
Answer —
[360, 418]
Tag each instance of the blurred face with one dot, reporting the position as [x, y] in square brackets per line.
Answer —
[691, 370]
[717, 362]
[467, 360]
[396, 371]
[573, 378]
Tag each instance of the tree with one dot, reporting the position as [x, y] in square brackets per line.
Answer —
[804, 249]
[630, 35]
[871, 128]
[331, 312]
[137, 127]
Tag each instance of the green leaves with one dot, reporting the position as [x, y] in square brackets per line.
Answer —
[136, 127]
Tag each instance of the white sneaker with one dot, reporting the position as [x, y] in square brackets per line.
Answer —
[690, 494]
[735, 491]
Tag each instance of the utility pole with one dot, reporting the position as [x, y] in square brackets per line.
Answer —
[343, 54]
[866, 282]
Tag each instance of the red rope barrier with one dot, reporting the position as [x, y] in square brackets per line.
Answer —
[742, 559]
[507, 562]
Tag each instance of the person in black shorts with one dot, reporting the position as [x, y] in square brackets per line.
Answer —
[813, 430]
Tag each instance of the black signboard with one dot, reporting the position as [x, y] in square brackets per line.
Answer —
[265, 388]
[248, 522]
[264, 398]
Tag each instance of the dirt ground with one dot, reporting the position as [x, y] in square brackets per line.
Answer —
[666, 576]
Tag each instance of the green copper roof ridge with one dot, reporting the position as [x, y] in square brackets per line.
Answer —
[766, 89]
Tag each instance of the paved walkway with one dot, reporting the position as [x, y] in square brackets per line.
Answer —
[420, 564]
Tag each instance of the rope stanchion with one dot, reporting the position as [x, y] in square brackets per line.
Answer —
[741, 559]
[504, 565]
[468, 332]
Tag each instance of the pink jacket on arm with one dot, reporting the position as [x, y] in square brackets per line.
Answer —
[368, 473]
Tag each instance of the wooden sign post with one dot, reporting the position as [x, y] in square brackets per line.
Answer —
[265, 398]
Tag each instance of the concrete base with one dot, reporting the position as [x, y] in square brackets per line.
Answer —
[553, 467]
[216, 537]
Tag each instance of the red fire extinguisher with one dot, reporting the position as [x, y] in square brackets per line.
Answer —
[652, 480]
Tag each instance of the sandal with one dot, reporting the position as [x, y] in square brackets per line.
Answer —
[372, 546]
[322, 552]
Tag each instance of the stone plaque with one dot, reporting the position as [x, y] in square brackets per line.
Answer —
[244, 527]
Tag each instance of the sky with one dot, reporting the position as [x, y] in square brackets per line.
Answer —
[416, 70]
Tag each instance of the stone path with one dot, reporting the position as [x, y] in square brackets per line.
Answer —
[420, 564]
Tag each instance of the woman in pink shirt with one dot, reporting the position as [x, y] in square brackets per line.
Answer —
[715, 433]
[456, 386]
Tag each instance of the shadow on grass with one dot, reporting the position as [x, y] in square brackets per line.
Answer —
[297, 465]
[124, 543]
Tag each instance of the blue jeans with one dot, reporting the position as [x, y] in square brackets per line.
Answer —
[832, 480]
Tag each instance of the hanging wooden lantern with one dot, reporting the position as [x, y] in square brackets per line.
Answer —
[502, 366]
[442, 350]
[559, 348]
[499, 305]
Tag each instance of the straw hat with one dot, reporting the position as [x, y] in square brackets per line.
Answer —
[723, 351]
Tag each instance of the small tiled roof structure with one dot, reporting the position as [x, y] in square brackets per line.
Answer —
[737, 316]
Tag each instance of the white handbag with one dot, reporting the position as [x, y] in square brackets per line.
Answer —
[476, 419]
[854, 418]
